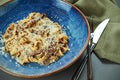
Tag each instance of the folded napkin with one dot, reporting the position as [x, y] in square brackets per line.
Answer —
[96, 11]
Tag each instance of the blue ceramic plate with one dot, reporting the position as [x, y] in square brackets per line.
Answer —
[71, 19]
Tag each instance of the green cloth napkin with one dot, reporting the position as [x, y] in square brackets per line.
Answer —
[108, 46]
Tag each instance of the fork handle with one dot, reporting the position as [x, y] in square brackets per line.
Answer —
[80, 68]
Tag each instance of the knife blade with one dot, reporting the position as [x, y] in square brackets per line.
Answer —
[99, 30]
[94, 37]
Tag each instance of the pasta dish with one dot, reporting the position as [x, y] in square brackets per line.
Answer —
[35, 39]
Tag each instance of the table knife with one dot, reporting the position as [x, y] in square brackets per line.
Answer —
[93, 41]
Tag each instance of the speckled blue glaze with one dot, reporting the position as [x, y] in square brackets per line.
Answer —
[68, 17]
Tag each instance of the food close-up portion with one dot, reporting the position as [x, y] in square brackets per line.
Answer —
[35, 39]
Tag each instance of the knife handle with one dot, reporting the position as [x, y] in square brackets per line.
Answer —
[89, 64]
